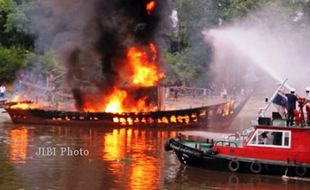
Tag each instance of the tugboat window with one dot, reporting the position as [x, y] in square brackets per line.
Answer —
[271, 138]
[286, 139]
[254, 139]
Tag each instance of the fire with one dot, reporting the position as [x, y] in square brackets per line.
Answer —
[15, 99]
[145, 71]
[150, 6]
[20, 104]
[23, 106]
[115, 102]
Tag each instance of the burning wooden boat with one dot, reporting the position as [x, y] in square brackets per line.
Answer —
[115, 83]
[219, 114]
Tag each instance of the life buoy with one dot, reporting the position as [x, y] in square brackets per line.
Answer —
[233, 165]
[300, 170]
[256, 167]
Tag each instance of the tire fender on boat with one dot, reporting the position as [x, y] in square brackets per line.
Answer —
[256, 167]
[233, 165]
[300, 170]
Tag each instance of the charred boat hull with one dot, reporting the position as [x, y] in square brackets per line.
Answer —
[219, 115]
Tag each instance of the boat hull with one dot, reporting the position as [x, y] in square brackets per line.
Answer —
[214, 161]
[219, 115]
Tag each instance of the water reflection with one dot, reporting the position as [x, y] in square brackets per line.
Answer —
[133, 155]
[195, 178]
[18, 145]
[119, 158]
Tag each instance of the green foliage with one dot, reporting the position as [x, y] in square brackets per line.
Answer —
[15, 24]
[6, 5]
[194, 16]
[232, 9]
[11, 60]
[15, 40]
[192, 58]
[46, 64]
[178, 67]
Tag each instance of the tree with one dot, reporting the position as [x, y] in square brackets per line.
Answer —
[192, 57]
[14, 24]
[15, 40]
[11, 60]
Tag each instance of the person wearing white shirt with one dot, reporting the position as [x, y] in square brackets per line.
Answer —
[307, 104]
[308, 93]
[2, 91]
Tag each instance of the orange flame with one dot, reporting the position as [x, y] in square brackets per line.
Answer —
[20, 104]
[118, 102]
[23, 106]
[115, 102]
[150, 6]
[145, 71]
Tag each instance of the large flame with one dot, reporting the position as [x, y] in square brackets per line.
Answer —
[144, 72]
[117, 102]
[22, 104]
[150, 6]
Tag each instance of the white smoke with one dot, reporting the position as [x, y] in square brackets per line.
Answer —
[272, 39]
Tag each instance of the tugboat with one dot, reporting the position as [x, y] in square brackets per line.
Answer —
[269, 147]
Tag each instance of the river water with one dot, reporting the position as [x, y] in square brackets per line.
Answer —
[117, 159]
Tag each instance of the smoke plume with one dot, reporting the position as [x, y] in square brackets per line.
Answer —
[92, 38]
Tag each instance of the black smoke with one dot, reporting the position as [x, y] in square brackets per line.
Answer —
[92, 37]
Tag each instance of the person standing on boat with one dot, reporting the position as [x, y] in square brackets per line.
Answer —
[291, 106]
[307, 89]
[307, 104]
[176, 92]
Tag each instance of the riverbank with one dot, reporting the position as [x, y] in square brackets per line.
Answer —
[4, 116]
